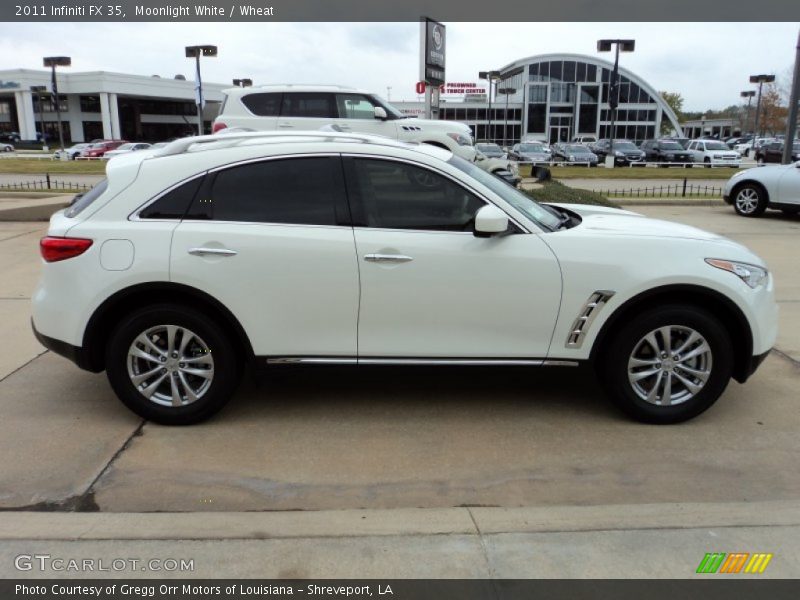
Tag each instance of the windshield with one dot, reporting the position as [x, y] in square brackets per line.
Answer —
[625, 146]
[391, 111]
[716, 146]
[670, 146]
[489, 148]
[523, 203]
[578, 149]
[125, 147]
[531, 148]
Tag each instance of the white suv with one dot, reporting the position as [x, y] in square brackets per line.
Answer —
[189, 262]
[311, 107]
[713, 153]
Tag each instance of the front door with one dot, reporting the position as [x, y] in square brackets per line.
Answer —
[429, 287]
[789, 185]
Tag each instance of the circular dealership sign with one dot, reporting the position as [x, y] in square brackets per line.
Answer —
[438, 38]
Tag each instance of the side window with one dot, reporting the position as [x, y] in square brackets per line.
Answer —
[395, 195]
[303, 191]
[355, 106]
[173, 204]
[263, 104]
[308, 104]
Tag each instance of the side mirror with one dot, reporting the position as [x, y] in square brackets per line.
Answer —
[490, 221]
[380, 113]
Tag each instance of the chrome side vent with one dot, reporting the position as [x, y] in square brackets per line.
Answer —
[589, 311]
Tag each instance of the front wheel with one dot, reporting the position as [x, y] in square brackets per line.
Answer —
[750, 200]
[172, 365]
[668, 365]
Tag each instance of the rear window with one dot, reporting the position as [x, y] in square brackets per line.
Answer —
[308, 104]
[263, 104]
[173, 204]
[81, 201]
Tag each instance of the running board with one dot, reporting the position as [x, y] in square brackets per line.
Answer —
[464, 362]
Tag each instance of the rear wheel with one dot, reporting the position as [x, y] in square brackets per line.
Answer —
[707, 163]
[172, 365]
[749, 200]
[668, 365]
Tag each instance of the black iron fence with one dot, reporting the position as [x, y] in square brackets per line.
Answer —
[47, 183]
[670, 190]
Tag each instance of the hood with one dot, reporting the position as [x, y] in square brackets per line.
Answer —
[612, 221]
[439, 125]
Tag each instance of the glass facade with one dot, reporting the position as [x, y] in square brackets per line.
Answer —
[560, 97]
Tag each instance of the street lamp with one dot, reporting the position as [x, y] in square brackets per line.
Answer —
[749, 95]
[490, 77]
[613, 90]
[243, 82]
[195, 52]
[38, 89]
[506, 91]
[53, 62]
[760, 80]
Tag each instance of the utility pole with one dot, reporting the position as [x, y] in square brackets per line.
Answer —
[613, 90]
[760, 80]
[53, 62]
[794, 99]
[196, 52]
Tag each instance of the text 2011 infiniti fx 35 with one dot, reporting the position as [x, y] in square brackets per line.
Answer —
[190, 261]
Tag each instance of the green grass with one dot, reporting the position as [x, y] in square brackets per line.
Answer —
[554, 191]
[32, 166]
[634, 173]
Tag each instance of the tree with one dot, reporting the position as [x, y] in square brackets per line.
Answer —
[675, 101]
[773, 115]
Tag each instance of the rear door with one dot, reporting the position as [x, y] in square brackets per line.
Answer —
[303, 111]
[271, 240]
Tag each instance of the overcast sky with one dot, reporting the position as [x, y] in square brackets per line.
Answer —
[708, 63]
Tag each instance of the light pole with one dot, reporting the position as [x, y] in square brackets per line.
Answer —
[749, 95]
[53, 62]
[760, 80]
[506, 91]
[243, 82]
[702, 126]
[490, 77]
[38, 89]
[195, 52]
[613, 90]
[388, 93]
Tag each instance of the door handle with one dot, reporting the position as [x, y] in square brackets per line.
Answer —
[212, 251]
[285, 125]
[395, 258]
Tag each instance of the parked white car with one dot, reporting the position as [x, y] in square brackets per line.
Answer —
[752, 191]
[4, 147]
[713, 153]
[311, 107]
[125, 148]
[276, 249]
[71, 152]
[747, 148]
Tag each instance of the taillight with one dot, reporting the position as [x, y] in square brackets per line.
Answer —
[218, 126]
[54, 249]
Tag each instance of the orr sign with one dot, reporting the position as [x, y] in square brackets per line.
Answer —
[433, 42]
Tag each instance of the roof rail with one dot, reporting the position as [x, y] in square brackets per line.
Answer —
[182, 145]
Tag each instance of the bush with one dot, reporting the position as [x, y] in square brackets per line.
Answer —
[554, 191]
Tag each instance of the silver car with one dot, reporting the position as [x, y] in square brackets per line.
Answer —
[530, 152]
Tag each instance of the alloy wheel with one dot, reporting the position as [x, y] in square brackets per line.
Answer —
[747, 200]
[670, 365]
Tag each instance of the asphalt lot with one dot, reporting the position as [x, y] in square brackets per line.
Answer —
[394, 438]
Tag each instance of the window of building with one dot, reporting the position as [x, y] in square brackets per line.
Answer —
[591, 72]
[395, 195]
[537, 117]
[580, 74]
[569, 71]
[556, 71]
[90, 104]
[303, 191]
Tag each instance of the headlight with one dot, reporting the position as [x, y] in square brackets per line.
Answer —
[460, 139]
[750, 274]
[571, 158]
[618, 153]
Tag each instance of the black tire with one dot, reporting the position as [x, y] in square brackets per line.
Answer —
[613, 368]
[707, 163]
[227, 367]
[745, 208]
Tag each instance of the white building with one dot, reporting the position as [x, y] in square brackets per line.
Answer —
[104, 105]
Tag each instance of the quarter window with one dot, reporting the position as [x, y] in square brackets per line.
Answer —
[395, 195]
[173, 204]
[262, 104]
[304, 191]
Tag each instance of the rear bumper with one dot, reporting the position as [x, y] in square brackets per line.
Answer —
[74, 353]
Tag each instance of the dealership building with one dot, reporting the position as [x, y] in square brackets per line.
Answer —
[550, 97]
[104, 105]
[557, 97]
